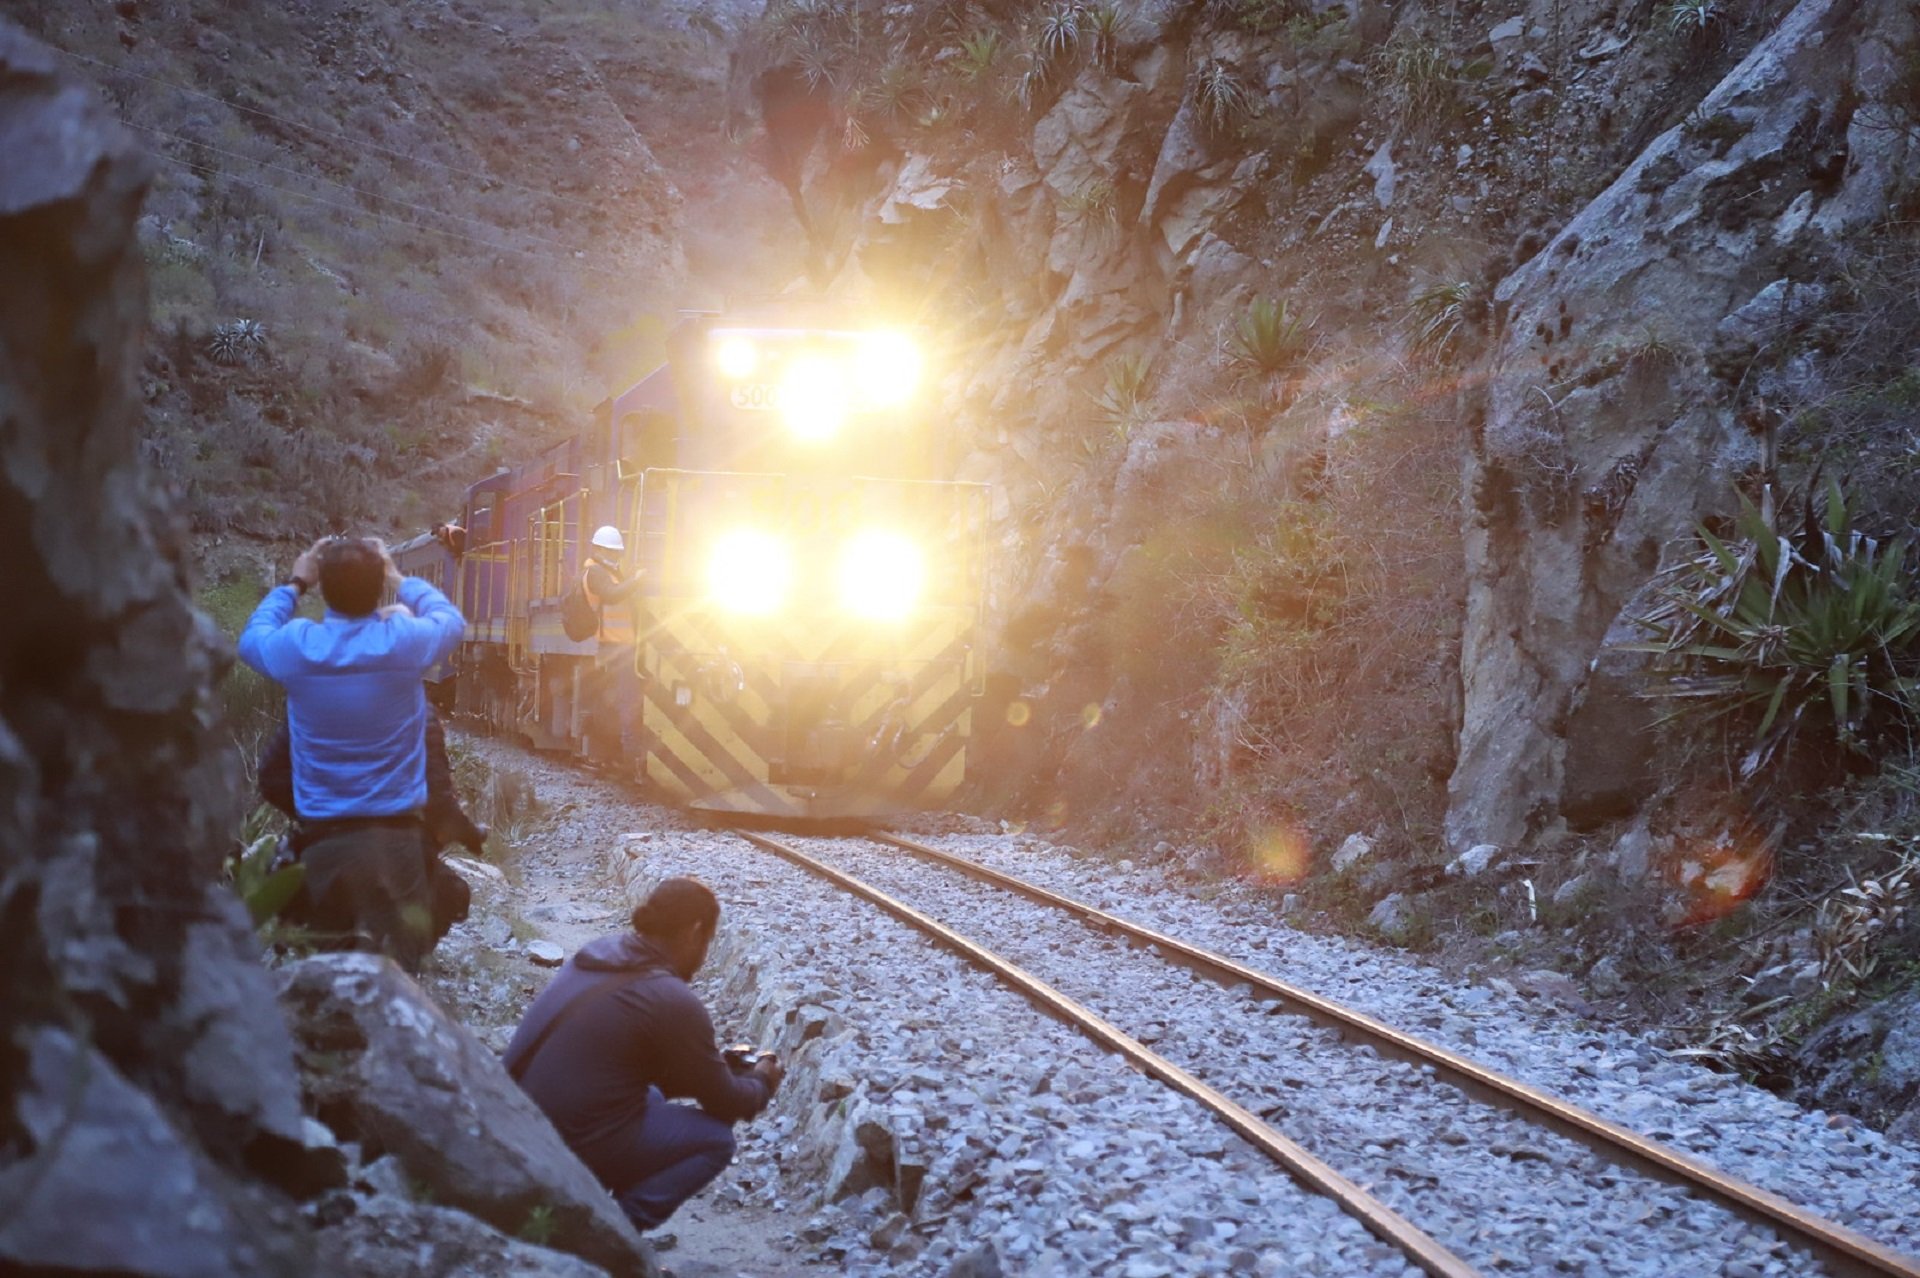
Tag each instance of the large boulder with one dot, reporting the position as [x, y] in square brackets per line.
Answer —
[387, 1068]
[389, 1237]
[145, 1079]
[1602, 429]
[1868, 1062]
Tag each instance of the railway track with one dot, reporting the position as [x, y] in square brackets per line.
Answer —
[1586, 1162]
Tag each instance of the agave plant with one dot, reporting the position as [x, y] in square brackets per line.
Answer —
[1269, 338]
[240, 341]
[1693, 18]
[1121, 404]
[1032, 83]
[1816, 627]
[894, 94]
[1437, 312]
[1220, 97]
[1105, 25]
[978, 54]
[1060, 31]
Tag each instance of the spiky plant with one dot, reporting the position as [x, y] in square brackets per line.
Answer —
[1121, 404]
[1437, 312]
[1411, 70]
[979, 53]
[1220, 97]
[240, 341]
[1693, 19]
[1269, 338]
[818, 65]
[894, 94]
[1853, 921]
[1059, 37]
[1105, 26]
[1814, 628]
[1095, 208]
[1031, 85]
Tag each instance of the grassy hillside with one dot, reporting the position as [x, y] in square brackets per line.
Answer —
[394, 246]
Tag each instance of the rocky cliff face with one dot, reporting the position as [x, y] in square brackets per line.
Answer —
[1543, 253]
[144, 1076]
[1636, 382]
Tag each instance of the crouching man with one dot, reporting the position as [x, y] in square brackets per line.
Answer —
[616, 1033]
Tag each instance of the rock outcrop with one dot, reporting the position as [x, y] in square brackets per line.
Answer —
[387, 1068]
[145, 1079]
[1615, 410]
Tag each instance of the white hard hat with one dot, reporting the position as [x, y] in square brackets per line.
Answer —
[608, 538]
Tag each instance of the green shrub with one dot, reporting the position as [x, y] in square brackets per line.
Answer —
[1809, 627]
[1268, 339]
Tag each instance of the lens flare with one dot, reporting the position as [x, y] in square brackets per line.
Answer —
[735, 355]
[1278, 854]
[881, 576]
[887, 368]
[750, 572]
[813, 397]
[1090, 715]
[1019, 713]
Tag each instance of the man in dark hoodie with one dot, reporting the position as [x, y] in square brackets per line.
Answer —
[615, 1033]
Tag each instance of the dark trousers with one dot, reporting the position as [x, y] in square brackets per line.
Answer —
[681, 1150]
[613, 694]
[366, 888]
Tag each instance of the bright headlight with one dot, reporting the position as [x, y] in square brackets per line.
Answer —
[750, 571]
[735, 356]
[813, 396]
[881, 576]
[887, 369]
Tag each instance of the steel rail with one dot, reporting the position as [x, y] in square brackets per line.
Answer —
[1315, 1175]
[1844, 1251]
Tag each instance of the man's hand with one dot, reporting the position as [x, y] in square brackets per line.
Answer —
[386, 561]
[306, 569]
[770, 1068]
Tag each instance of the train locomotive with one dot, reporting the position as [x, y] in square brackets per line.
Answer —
[804, 640]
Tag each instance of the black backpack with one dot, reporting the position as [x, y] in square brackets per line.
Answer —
[578, 617]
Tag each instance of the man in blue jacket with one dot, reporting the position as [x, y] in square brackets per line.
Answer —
[615, 1033]
[357, 716]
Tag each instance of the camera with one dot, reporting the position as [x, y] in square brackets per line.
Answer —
[744, 1056]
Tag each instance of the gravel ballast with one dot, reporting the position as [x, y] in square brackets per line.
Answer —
[934, 1118]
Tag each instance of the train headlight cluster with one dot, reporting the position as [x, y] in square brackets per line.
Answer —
[814, 397]
[886, 369]
[879, 576]
[816, 387]
[735, 355]
[750, 572]
[882, 575]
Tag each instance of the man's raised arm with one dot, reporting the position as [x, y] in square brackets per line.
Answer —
[436, 625]
[256, 648]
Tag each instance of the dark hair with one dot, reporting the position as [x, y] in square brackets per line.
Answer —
[674, 906]
[352, 575]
